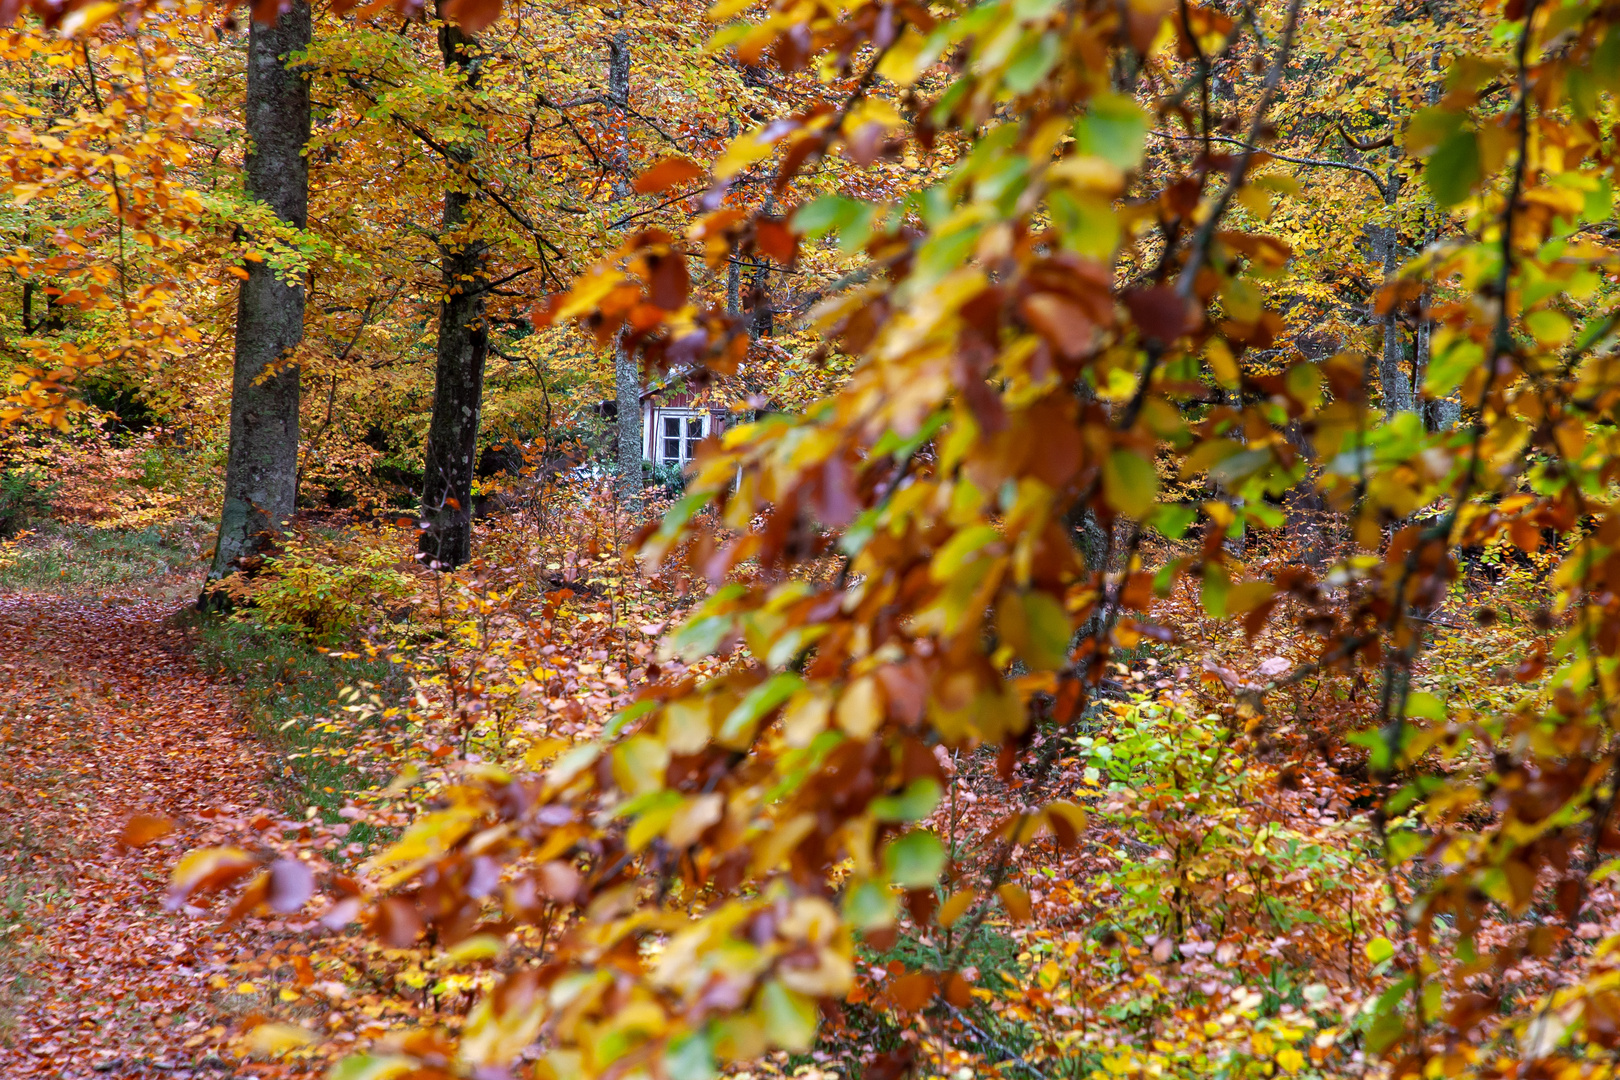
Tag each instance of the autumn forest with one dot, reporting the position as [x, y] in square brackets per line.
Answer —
[826, 539]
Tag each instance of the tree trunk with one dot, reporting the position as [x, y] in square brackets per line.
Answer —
[261, 471]
[1397, 388]
[627, 392]
[626, 371]
[458, 378]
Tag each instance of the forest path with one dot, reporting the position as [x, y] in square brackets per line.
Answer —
[104, 714]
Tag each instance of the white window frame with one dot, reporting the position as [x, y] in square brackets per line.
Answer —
[686, 437]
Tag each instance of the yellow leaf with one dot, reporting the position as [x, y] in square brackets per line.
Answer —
[276, 1039]
[81, 20]
[1016, 900]
[860, 709]
[955, 907]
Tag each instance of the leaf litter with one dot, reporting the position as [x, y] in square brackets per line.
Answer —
[120, 754]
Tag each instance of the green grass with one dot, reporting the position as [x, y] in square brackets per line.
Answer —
[165, 559]
[288, 687]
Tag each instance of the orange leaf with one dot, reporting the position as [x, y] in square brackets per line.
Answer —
[913, 992]
[206, 870]
[668, 173]
[142, 829]
[472, 15]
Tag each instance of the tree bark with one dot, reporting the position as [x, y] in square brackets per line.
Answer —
[626, 371]
[458, 377]
[1396, 387]
[261, 471]
[627, 394]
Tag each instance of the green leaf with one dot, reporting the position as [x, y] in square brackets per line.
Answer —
[790, 1017]
[676, 517]
[1130, 483]
[870, 906]
[1216, 586]
[915, 860]
[690, 1057]
[1031, 63]
[1172, 520]
[1380, 949]
[738, 727]
[624, 717]
[1449, 366]
[1425, 705]
[700, 637]
[1114, 129]
[1403, 845]
[916, 802]
[369, 1067]
[1453, 170]
[1037, 628]
[1377, 748]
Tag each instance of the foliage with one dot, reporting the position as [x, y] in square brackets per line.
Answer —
[1185, 555]
[325, 591]
[25, 495]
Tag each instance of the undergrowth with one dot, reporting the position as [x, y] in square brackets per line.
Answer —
[163, 559]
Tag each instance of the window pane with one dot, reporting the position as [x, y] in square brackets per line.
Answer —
[672, 449]
[672, 427]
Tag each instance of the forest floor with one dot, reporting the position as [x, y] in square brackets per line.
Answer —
[105, 714]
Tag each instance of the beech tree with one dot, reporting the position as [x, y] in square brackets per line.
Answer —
[261, 475]
[463, 345]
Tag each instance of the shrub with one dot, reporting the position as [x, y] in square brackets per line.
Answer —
[667, 475]
[325, 598]
[24, 497]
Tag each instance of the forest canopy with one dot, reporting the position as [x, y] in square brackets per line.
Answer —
[875, 538]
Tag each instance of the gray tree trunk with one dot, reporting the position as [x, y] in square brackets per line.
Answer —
[626, 371]
[261, 471]
[1397, 388]
[458, 377]
[627, 396]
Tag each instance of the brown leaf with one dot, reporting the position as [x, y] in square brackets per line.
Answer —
[1063, 323]
[558, 881]
[397, 923]
[1016, 900]
[958, 991]
[774, 239]
[342, 913]
[667, 280]
[268, 12]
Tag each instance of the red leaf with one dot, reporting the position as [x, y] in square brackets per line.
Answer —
[1160, 313]
[776, 240]
[668, 281]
